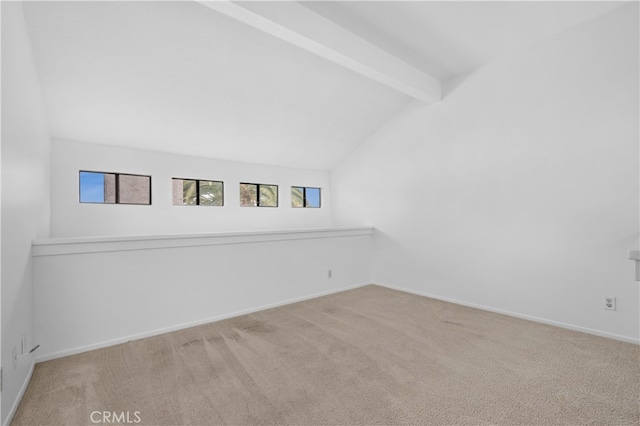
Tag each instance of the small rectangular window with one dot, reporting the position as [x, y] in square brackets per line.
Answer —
[258, 195]
[195, 192]
[211, 193]
[248, 195]
[133, 189]
[305, 197]
[114, 188]
[297, 196]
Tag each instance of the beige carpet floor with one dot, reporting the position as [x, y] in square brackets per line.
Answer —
[366, 356]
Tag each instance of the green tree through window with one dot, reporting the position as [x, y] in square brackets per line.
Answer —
[194, 192]
[258, 195]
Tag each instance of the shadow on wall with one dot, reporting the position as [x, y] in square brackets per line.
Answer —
[390, 258]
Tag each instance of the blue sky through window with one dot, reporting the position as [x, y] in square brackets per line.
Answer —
[91, 187]
[313, 197]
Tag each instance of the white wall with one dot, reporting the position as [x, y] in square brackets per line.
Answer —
[25, 195]
[72, 219]
[518, 192]
[84, 300]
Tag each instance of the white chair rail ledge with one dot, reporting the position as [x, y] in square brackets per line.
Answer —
[634, 254]
[63, 246]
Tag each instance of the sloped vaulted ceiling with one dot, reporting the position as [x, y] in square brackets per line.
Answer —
[181, 77]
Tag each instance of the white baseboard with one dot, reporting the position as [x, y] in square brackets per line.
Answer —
[573, 327]
[60, 354]
[77, 350]
[23, 389]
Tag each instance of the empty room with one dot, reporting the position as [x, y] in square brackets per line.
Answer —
[320, 213]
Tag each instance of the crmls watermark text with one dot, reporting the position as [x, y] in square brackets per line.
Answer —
[115, 417]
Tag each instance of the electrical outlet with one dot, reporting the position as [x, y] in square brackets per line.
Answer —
[609, 303]
[14, 357]
[329, 274]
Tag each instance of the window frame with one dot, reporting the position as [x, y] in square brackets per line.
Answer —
[304, 197]
[258, 185]
[197, 181]
[117, 188]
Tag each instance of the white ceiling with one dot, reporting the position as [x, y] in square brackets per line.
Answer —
[445, 39]
[180, 77]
